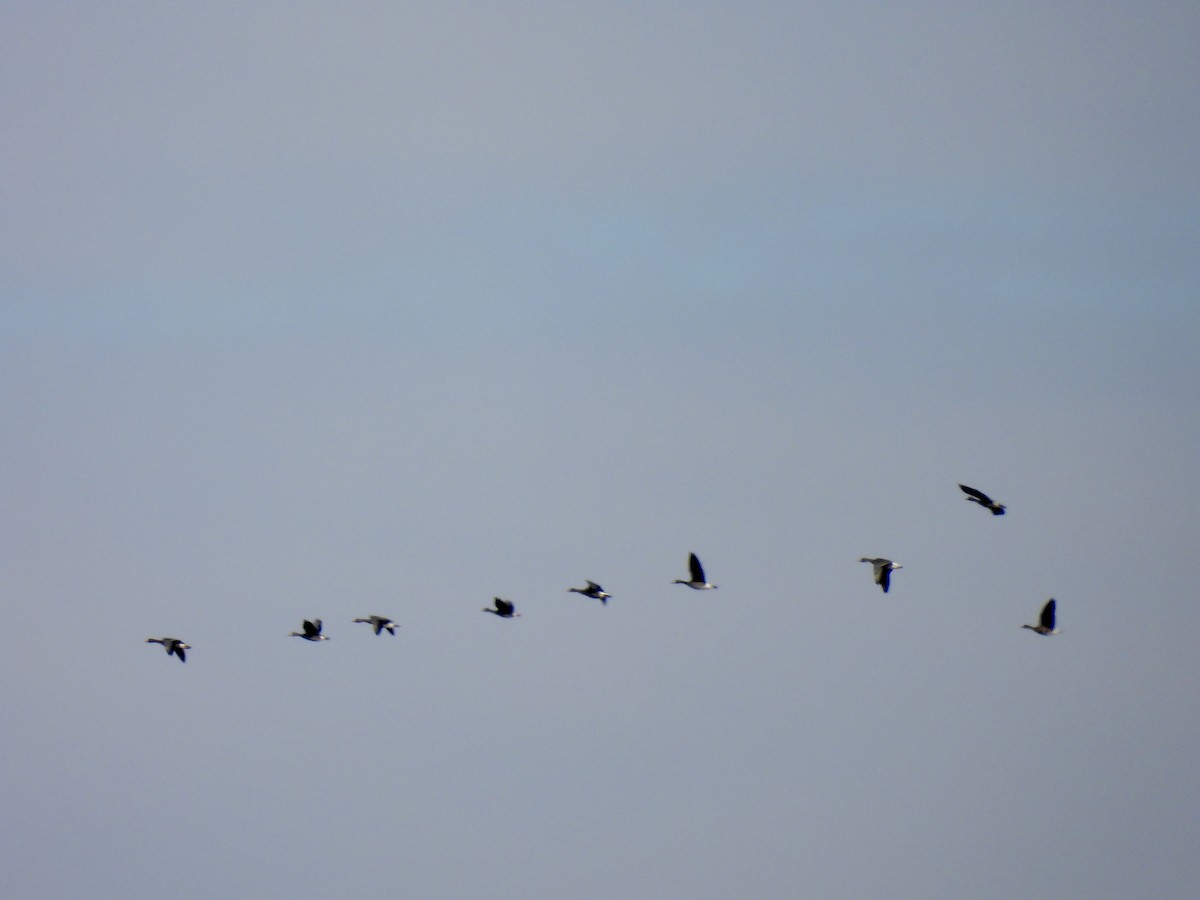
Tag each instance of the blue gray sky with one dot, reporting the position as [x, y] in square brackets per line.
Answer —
[317, 311]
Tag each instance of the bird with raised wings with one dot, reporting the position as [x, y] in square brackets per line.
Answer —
[311, 632]
[503, 608]
[697, 582]
[1045, 623]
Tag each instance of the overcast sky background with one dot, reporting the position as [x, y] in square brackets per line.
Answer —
[326, 310]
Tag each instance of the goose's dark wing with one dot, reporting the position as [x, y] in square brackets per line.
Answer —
[503, 607]
[1047, 619]
[313, 628]
[978, 495]
[179, 652]
[885, 577]
[593, 587]
[377, 622]
[697, 569]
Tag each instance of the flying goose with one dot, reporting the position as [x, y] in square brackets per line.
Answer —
[592, 590]
[172, 645]
[697, 582]
[983, 500]
[504, 608]
[312, 631]
[1045, 623]
[379, 623]
[883, 571]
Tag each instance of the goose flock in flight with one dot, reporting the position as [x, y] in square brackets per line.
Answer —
[505, 609]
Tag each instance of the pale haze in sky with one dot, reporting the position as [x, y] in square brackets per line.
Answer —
[316, 310]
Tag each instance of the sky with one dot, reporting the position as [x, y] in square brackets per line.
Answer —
[314, 310]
